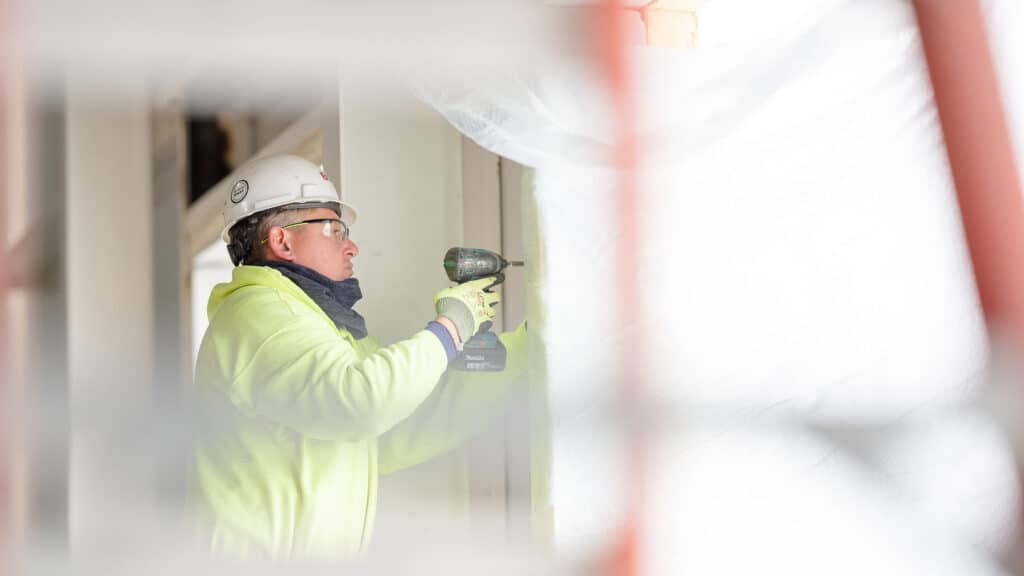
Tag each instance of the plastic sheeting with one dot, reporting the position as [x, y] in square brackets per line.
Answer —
[813, 336]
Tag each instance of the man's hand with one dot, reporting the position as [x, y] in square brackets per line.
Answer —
[467, 306]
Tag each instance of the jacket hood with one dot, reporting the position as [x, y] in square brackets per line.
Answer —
[245, 276]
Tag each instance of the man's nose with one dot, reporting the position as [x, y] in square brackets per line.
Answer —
[351, 248]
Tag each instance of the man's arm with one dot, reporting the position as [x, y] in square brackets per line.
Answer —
[460, 406]
[291, 367]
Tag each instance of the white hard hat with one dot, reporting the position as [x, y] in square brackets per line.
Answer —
[275, 181]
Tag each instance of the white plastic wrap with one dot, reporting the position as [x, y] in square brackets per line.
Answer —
[750, 500]
[802, 261]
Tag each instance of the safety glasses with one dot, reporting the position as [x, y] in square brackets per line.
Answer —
[333, 228]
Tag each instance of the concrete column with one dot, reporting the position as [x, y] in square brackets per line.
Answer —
[331, 135]
[44, 322]
[172, 360]
[109, 310]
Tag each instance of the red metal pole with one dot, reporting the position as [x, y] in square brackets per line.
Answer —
[981, 157]
[980, 153]
[613, 51]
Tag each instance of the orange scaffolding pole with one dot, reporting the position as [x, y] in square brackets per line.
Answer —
[980, 153]
[988, 187]
[612, 49]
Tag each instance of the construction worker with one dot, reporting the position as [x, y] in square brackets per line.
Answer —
[301, 408]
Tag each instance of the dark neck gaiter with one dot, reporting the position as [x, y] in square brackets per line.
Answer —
[334, 297]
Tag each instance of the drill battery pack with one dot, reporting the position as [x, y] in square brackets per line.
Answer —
[481, 353]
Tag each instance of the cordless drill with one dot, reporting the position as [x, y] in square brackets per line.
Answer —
[484, 352]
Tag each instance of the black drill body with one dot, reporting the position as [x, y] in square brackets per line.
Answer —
[468, 264]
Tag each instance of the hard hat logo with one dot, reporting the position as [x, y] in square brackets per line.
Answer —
[323, 173]
[239, 191]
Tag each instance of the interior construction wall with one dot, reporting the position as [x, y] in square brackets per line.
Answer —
[110, 312]
[401, 170]
[421, 188]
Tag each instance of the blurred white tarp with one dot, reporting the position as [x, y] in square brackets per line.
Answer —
[244, 45]
[812, 332]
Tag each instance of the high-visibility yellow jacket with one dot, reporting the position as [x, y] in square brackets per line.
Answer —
[299, 419]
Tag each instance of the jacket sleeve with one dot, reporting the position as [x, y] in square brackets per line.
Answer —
[460, 406]
[301, 374]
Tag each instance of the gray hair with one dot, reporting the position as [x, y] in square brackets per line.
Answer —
[245, 239]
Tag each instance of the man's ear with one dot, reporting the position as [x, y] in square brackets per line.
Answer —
[279, 244]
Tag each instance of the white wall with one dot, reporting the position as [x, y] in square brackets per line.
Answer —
[109, 308]
[401, 171]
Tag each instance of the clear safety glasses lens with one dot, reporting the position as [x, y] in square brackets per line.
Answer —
[333, 228]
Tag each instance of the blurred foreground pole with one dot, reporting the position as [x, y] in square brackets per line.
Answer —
[980, 154]
[6, 480]
[612, 46]
[667, 24]
[981, 158]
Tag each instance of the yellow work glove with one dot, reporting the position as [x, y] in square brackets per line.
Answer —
[467, 305]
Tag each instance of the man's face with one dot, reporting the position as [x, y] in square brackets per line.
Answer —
[328, 253]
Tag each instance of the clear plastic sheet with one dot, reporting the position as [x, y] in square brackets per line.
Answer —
[804, 274]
